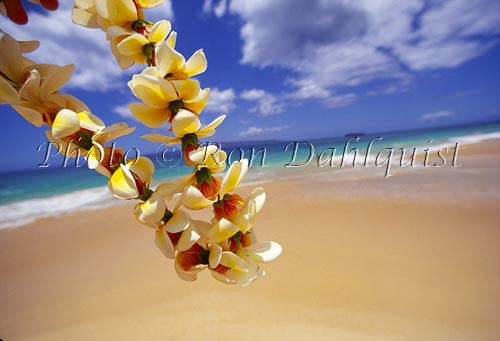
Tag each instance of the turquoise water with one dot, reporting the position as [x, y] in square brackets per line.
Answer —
[47, 182]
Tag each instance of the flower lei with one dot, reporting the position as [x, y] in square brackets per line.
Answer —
[226, 245]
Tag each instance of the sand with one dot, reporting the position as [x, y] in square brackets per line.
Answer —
[411, 257]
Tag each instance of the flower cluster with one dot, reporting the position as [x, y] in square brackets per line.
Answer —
[226, 245]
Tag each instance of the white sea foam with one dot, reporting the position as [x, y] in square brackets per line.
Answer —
[475, 138]
[28, 211]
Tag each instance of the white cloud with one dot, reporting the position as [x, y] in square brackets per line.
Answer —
[219, 10]
[257, 131]
[124, 112]
[331, 45]
[339, 101]
[62, 42]
[266, 103]
[221, 101]
[436, 115]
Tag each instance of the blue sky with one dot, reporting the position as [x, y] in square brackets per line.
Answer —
[293, 69]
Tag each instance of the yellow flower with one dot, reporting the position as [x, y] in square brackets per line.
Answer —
[226, 266]
[211, 157]
[140, 46]
[87, 134]
[172, 65]
[179, 233]
[245, 219]
[194, 199]
[184, 123]
[39, 113]
[242, 220]
[115, 35]
[69, 125]
[44, 80]
[190, 262]
[242, 268]
[104, 13]
[131, 180]
[14, 67]
[163, 99]
[31, 88]
[152, 212]
[77, 128]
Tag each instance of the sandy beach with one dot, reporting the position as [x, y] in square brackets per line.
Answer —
[412, 257]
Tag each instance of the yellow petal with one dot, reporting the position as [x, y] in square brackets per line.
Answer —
[185, 122]
[214, 256]
[152, 210]
[258, 196]
[152, 90]
[122, 184]
[209, 130]
[143, 168]
[88, 5]
[248, 213]
[234, 175]
[112, 132]
[30, 90]
[164, 244]
[151, 117]
[9, 58]
[193, 199]
[123, 61]
[264, 252]
[196, 64]
[221, 278]
[28, 45]
[104, 24]
[172, 39]
[139, 58]
[168, 61]
[69, 102]
[188, 238]
[30, 114]
[159, 31]
[179, 222]
[90, 121]
[132, 45]
[222, 230]
[84, 18]
[94, 160]
[117, 12]
[187, 89]
[55, 80]
[198, 103]
[243, 278]
[7, 93]
[168, 189]
[115, 32]
[151, 71]
[211, 157]
[66, 123]
[161, 138]
[232, 261]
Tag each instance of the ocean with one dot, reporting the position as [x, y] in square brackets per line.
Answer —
[28, 195]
